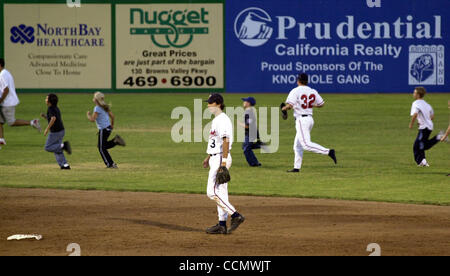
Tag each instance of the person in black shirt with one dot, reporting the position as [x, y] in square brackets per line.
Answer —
[251, 132]
[56, 128]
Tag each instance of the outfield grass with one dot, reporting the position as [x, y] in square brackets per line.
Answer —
[369, 132]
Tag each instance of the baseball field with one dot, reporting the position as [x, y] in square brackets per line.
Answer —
[156, 204]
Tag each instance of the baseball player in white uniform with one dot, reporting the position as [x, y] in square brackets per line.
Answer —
[303, 99]
[219, 147]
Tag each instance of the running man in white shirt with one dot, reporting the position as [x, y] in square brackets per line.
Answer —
[8, 103]
[444, 138]
[219, 147]
[303, 99]
[424, 114]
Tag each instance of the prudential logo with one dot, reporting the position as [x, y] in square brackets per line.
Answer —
[252, 27]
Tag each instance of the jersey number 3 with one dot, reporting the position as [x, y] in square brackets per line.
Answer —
[308, 101]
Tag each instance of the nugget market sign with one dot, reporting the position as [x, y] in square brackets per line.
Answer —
[170, 46]
[172, 26]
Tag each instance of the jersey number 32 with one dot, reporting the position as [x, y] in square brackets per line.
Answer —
[308, 101]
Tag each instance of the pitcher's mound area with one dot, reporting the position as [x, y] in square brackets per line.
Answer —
[128, 223]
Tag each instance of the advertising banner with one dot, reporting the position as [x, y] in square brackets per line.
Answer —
[52, 46]
[170, 46]
[345, 46]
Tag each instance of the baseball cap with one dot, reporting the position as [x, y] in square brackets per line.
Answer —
[302, 77]
[215, 98]
[251, 100]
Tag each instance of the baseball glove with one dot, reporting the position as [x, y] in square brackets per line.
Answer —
[223, 175]
[284, 113]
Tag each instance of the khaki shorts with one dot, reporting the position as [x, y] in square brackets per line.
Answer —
[7, 115]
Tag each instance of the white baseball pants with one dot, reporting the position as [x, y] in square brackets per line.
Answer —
[302, 142]
[219, 192]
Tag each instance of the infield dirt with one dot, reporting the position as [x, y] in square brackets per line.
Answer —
[131, 223]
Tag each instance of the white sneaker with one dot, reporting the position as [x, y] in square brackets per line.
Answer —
[424, 163]
[35, 123]
[440, 135]
[2, 142]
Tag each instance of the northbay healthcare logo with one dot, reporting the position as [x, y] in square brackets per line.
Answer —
[43, 35]
[170, 28]
[22, 34]
[426, 65]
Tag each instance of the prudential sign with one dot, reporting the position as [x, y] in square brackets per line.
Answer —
[349, 48]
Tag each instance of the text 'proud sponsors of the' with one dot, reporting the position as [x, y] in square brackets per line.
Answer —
[356, 71]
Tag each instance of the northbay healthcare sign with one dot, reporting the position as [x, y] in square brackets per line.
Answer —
[81, 35]
[51, 46]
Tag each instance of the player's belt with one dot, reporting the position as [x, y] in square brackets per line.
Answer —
[306, 115]
[215, 154]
